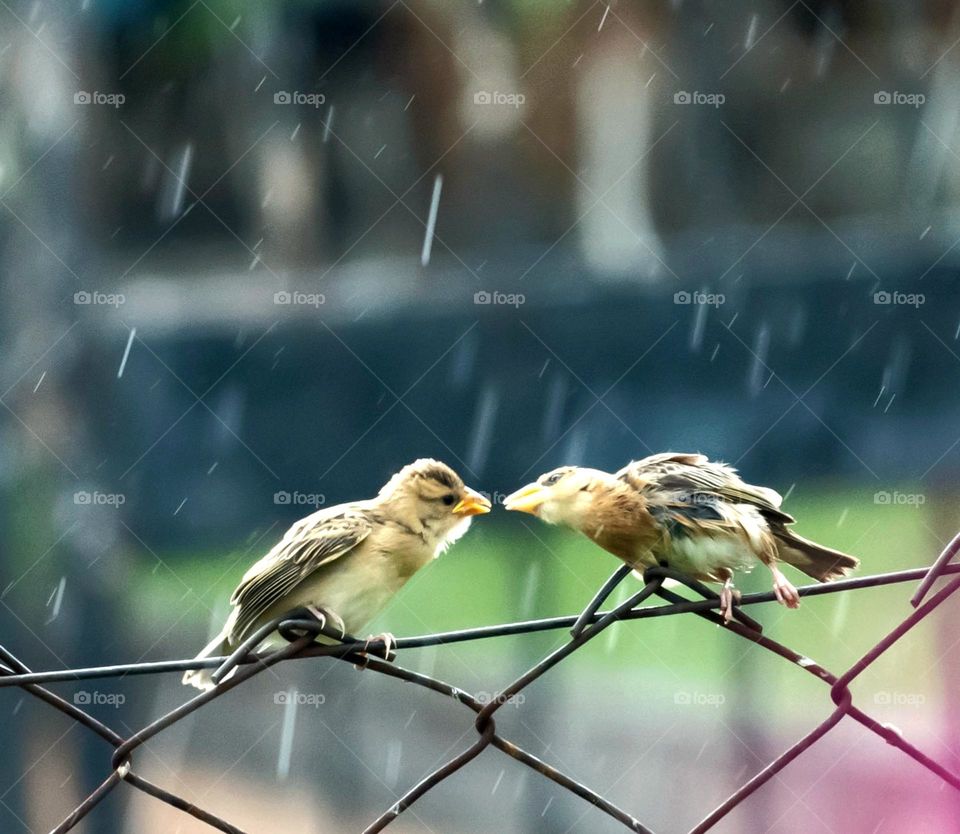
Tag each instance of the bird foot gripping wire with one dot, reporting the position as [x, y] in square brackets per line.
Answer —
[588, 615]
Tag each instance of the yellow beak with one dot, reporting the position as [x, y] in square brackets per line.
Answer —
[527, 499]
[473, 503]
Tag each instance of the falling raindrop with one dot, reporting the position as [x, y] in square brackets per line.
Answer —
[175, 187]
[699, 324]
[286, 734]
[531, 585]
[177, 510]
[751, 38]
[35, 387]
[481, 433]
[843, 516]
[925, 232]
[392, 771]
[431, 220]
[604, 18]
[57, 598]
[758, 368]
[497, 783]
[556, 397]
[328, 124]
[126, 352]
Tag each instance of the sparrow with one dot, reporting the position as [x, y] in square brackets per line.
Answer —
[685, 512]
[347, 561]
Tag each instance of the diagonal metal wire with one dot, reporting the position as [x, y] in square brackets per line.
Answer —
[301, 630]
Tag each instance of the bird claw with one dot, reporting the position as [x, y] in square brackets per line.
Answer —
[728, 597]
[322, 617]
[786, 593]
[389, 643]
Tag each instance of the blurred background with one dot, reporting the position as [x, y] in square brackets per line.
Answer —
[255, 257]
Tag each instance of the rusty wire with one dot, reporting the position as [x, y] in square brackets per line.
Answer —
[301, 629]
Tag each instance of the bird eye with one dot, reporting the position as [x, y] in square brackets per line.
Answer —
[556, 476]
[448, 500]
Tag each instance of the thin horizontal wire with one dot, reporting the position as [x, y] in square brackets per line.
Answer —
[464, 635]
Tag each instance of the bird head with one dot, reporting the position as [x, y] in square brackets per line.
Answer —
[561, 496]
[429, 496]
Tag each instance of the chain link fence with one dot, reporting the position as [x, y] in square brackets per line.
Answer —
[300, 630]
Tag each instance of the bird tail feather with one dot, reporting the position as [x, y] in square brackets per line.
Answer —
[822, 563]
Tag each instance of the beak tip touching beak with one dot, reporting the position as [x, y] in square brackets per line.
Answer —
[526, 499]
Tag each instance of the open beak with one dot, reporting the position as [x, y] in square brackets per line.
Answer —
[473, 503]
[527, 499]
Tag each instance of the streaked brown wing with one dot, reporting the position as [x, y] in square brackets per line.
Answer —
[692, 474]
[305, 548]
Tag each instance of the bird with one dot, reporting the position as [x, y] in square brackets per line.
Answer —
[686, 512]
[347, 561]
